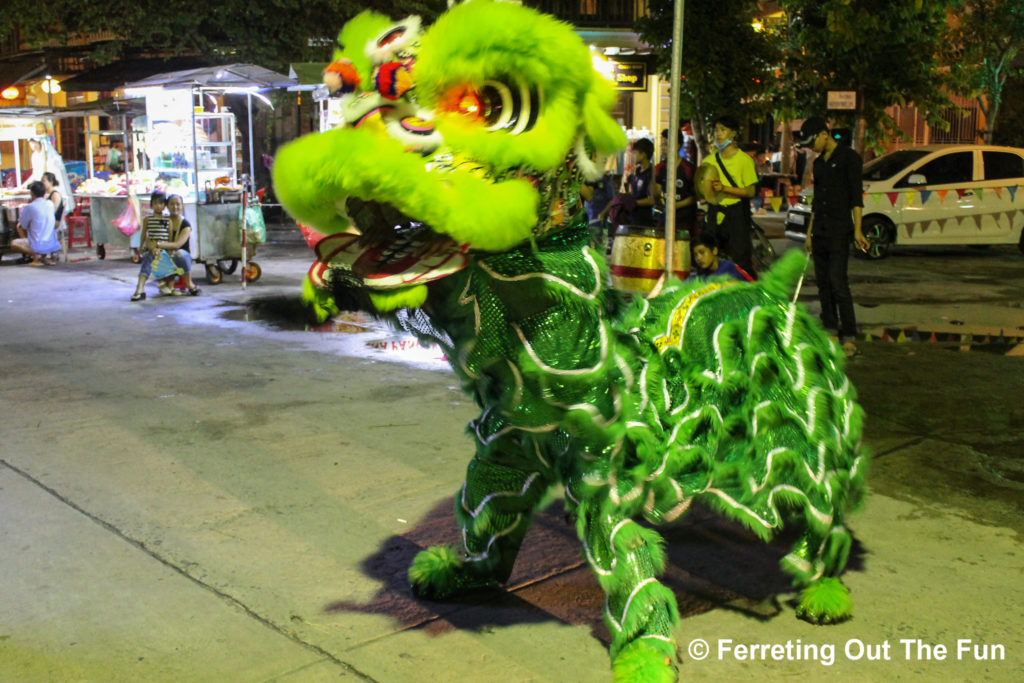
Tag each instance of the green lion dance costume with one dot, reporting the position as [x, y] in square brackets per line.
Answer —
[449, 202]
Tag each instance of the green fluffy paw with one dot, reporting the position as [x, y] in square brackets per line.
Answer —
[826, 601]
[645, 662]
[440, 573]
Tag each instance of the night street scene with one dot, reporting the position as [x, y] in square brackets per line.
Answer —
[359, 340]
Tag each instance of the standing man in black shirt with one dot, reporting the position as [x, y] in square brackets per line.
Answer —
[835, 219]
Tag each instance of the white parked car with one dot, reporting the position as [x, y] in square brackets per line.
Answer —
[936, 194]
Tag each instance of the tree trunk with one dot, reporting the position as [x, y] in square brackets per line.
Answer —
[860, 126]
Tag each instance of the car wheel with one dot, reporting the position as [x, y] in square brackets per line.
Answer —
[880, 234]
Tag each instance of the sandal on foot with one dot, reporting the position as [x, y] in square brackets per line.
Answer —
[194, 291]
[140, 296]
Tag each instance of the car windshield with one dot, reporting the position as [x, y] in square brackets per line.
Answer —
[885, 167]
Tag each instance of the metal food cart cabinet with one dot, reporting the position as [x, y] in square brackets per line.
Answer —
[190, 137]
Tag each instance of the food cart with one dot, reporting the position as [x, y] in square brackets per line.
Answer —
[191, 140]
[103, 195]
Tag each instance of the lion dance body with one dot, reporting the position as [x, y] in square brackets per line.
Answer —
[468, 142]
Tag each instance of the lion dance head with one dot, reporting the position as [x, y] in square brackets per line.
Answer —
[456, 140]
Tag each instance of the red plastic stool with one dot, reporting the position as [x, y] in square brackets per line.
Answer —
[79, 230]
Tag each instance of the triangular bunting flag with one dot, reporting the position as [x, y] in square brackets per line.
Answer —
[999, 192]
[1013, 192]
[793, 200]
[776, 203]
[960, 192]
[893, 196]
[914, 336]
[885, 336]
[933, 339]
[925, 194]
[867, 337]
[902, 338]
[910, 198]
[981, 193]
[942, 195]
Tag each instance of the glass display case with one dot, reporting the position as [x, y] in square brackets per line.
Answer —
[210, 163]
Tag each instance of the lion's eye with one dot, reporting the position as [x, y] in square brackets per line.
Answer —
[495, 105]
[479, 105]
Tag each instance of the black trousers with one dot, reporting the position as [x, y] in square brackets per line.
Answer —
[830, 250]
[733, 233]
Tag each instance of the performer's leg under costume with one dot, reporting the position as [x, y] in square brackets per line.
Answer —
[639, 611]
[494, 508]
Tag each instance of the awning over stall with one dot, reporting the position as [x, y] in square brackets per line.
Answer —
[229, 76]
[112, 76]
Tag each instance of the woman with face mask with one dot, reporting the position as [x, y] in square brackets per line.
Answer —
[728, 216]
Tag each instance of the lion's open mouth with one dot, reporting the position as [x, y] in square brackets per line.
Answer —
[392, 250]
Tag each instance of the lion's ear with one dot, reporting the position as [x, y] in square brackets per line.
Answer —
[603, 131]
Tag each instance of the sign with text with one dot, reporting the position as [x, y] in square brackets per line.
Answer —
[629, 75]
[842, 99]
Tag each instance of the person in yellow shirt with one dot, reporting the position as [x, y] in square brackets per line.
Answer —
[728, 215]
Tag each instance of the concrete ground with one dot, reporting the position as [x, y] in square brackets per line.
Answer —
[190, 493]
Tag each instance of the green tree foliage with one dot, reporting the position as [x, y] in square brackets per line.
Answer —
[985, 37]
[271, 33]
[887, 51]
[727, 66]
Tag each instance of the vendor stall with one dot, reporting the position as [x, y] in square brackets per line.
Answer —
[103, 193]
[17, 126]
[191, 142]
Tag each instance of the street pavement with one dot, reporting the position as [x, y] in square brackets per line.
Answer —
[201, 489]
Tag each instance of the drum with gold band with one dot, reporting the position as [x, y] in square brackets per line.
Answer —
[638, 257]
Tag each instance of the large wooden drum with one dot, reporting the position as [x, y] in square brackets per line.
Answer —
[638, 257]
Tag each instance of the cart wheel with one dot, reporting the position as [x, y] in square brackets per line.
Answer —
[227, 266]
[253, 272]
[101, 251]
[213, 274]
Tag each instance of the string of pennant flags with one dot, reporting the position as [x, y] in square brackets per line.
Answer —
[1008, 344]
[912, 196]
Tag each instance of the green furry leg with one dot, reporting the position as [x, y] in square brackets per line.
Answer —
[639, 611]
[440, 573]
[644, 661]
[494, 509]
[825, 601]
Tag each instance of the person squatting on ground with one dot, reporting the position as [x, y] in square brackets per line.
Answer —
[170, 234]
[836, 212]
[37, 234]
[181, 233]
[708, 263]
[728, 216]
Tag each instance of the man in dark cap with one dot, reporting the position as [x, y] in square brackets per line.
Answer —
[835, 220]
[728, 216]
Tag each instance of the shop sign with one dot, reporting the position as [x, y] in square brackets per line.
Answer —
[629, 75]
[845, 100]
